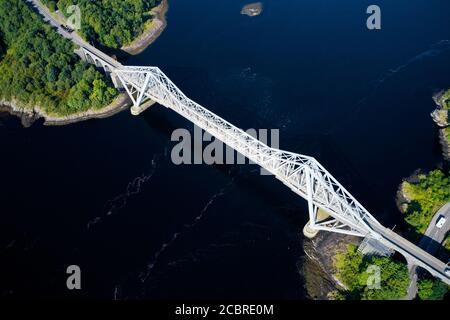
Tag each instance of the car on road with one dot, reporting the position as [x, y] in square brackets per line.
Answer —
[69, 30]
[440, 222]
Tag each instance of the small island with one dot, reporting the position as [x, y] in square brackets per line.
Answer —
[252, 9]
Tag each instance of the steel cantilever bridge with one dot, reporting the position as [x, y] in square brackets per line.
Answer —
[304, 175]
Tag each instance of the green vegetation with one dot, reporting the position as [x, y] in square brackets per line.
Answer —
[111, 23]
[431, 289]
[427, 196]
[354, 272]
[446, 100]
[40, 67]
[446, 113]
[2, 47]
[447, 243]
[447, 133]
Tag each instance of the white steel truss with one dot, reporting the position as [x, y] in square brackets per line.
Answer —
[304, 175]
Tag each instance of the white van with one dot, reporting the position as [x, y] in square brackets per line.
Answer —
[440, 222]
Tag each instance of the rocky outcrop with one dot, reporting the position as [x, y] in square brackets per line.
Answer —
[252, 9]
[445, 143]
[402, 200]
[318, 263]
[441, 117]
[29, 114]
[153, 30]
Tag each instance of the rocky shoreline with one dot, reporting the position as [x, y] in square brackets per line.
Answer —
[29, 115]
[402, 201]
[317, 266]
[441, 117]
[152, 31]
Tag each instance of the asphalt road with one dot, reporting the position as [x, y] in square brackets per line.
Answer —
[434, 236]
[430, 242]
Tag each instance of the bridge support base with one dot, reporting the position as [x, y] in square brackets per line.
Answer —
[309, 232]
[116, 81]
[137, 110]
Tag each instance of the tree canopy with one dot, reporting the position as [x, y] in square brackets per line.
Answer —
[446, 99]
[427, 196]
[2, 46]
[431, 289]
[354, 271]
[111, 23]
[41, 68]
[447, 242]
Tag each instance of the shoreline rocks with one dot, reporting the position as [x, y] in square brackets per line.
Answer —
[402, 201]
[317, 265]
[152, 31]
[28, 115]
[445, 144]
[440, 116]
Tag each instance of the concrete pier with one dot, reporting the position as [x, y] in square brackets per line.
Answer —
[135, 111]
[309, 232]
[320, 216]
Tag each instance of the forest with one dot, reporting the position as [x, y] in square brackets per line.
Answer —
[39, 67]
[354, 271]
[446, 99]
[111, 23]
[431, 289]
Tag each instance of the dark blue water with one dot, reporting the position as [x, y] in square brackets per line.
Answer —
[105, 195]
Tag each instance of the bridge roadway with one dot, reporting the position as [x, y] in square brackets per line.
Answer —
[414, 253]
[302, 174]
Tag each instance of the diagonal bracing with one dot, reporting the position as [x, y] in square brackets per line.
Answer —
[304, 175]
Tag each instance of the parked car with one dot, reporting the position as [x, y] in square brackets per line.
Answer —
[69, 30]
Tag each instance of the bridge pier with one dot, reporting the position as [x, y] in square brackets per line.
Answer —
[137, 110]
[116, 81]
[318, 215]
[309, 232]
